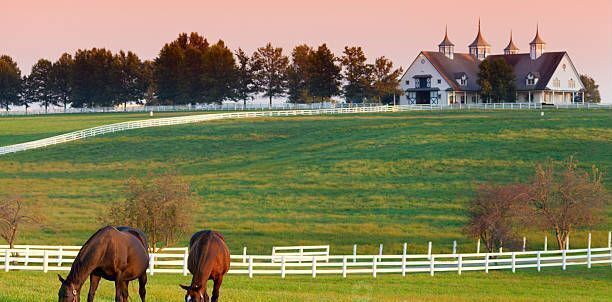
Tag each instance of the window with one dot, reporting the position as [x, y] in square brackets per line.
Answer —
[428, 82]
[417, 84]
[407, 82]
[571, 83]
[556, 83]
[530, 82]
[439, 81]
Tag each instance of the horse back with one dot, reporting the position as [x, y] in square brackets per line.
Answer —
[208, 251]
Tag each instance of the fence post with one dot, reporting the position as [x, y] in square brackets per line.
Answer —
[344, 267]
[185, 261]
[314, 267]
[7, 259]
[563, 256]
[487, 263]
[545, 243]
[27, 256]
[152, 264]
[244, 254]
[45, 261]
[539, 261]
[589, 252]
[404, 259]
[282, 266]
[59, 256]
[354, 253]
[524, 243]
[374, 266]
[380, 250]
[459, 264]
[478, 247]
[429, 250]
[431, 265]
[454, 247]
[250, 266]
[513, 262]
[567, 242]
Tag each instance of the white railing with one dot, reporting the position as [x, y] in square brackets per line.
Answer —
[175, 262]
[299, 252]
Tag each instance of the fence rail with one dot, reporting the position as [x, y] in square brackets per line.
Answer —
[174, 261]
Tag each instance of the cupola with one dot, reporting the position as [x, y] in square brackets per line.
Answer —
[446, 46]
[480, 48]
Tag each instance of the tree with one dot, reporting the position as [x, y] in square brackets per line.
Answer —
[94, 78]
[168, 73]
[38, 87]
[60, 78]
[591, 89]
[357, 75]
[244, 86]
[220, 73]
[566, 197]
[13, 214]
[493, 214]
[386, 80]
[131, 79]
[271, 78]
[298, 75]
[161, 206]
[323, 74]
[497, 81]
[10, 82]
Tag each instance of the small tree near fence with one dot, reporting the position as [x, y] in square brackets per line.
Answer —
[13, 214]
[566, 197]
[161, 206]
[493, 212]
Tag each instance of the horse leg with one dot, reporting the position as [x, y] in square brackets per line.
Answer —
[121, 290]
[94, 280]
[217, 286]
[142, 283]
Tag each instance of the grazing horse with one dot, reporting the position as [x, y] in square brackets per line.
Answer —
[209, 259]
[115, 254]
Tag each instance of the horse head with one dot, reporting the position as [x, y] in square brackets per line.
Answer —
[67, 292]
[195, 293]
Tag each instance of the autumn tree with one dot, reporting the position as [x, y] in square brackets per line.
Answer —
[271, 78]
[386, 80]
[357, 75]
[161, 206]
[13, 214]
[566, 197]
[591, 89]
[493, 214]
[298, 74]
[10, 82]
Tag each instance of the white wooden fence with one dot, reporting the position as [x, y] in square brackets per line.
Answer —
[174, 261]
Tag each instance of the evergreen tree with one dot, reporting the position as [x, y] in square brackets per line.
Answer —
[591, 89]
[168, 75]
[38, 86]
[60, 80]
[94, 78]
[357, 75]
[244, 86]
[220, 73]
[323, 74]
[10, 82]
[298, 75]
[385, 80]
[497, 81]
[271, 78]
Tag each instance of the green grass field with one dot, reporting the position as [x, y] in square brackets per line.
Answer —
[575, 284]
[339, 180]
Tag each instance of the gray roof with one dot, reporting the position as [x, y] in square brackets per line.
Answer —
[522, 64]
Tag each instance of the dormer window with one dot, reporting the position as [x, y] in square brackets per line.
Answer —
[463, 80]
[531, 79]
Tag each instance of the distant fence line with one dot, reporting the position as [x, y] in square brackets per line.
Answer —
[95, 131]
[174, 261]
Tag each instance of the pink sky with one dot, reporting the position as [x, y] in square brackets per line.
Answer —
[31, 29]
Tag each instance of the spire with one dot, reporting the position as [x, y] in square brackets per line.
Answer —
[479, 41]
[537, 39]
[511, 49]
[446, 41]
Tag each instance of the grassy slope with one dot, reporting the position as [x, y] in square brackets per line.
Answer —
[549, 285]
[365, 179]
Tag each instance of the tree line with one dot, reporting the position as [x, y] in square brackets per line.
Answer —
[190, 70]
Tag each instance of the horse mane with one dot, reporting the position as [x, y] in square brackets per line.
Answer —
[82, 260]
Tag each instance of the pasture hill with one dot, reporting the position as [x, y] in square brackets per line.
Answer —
[340, 180]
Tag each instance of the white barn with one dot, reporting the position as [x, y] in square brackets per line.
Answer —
[444, 77]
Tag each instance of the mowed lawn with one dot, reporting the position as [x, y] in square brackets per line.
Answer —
[339, 180]
[575, 284]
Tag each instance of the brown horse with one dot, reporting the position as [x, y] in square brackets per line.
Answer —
[209, 259]
[115, 254]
